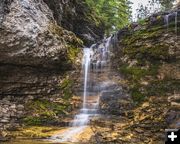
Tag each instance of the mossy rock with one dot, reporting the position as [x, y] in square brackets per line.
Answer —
[135, 73]
[73, 53]
[35, 132]
[42, 112]
[163, 87]
[137, 96]
[150, 53]
[66, 86]
[67, 36]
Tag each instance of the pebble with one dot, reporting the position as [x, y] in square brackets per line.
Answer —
[13, 106]
[20, 107]
[4, 121]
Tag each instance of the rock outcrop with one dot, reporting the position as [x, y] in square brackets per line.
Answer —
[77, 16]
[36, 55]
[146, 55]
[33, 45]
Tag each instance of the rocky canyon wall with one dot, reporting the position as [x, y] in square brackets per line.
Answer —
[40, 58]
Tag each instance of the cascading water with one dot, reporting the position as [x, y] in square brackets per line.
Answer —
[86, 64]
[82, 118]
[95, 61]
[167, 19]
[176, 22]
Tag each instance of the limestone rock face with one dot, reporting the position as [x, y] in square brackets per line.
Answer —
[32, 45]
[76, 16]
[148, 58]
[28, 36]
[35, 54]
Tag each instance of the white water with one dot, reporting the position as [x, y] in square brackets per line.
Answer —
[95, 60]
[86, 65]
[167, 21]
[167, 17]
[176, 22]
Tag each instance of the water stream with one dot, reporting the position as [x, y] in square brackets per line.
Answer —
[95, 63]
[167, 20]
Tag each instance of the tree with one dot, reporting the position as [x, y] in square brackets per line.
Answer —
[166, 4]
[142, 12]
[154, 6]
[115, 13]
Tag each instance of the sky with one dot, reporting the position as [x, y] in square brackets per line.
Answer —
[137, 2]
[135, 5]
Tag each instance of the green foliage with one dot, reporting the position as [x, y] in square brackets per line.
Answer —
[114, 13]
[166, 4]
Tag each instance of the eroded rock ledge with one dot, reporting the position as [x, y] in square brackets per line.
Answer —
[36, 57]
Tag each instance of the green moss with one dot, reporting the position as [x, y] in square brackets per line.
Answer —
[137, 96]
[35, 120]
[66, 87]
[151, 53]
[135, 73]
[44, 111]
[147, 48]
[156, 52]
[143, 35]
[162, 87]
[66, 36]
[34, 132]
[73, 53]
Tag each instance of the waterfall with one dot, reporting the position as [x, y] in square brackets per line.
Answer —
[167, 20]
[95, 62]
[86, 64]
[176, 22]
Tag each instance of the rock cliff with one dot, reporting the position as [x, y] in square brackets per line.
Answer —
[31, 42]
[146, 55]
[39, 58]
[77, 16]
